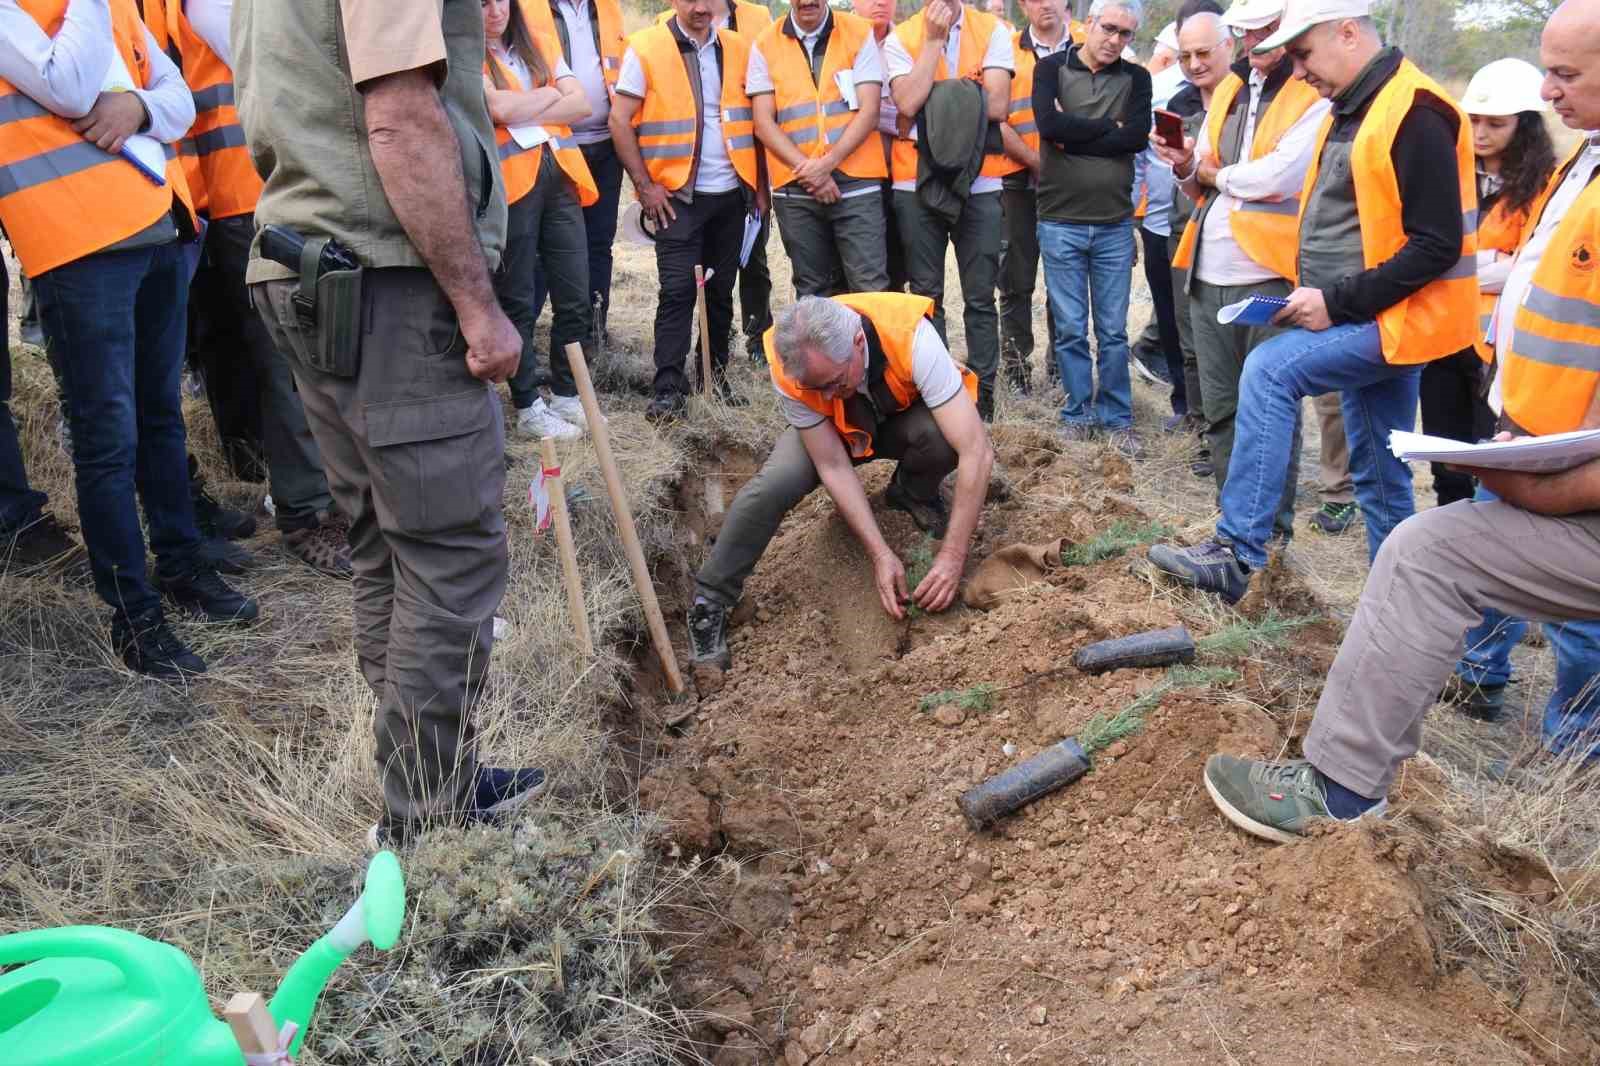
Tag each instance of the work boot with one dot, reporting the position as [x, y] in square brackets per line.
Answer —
[1210, 566]
[729, 397]
[198, 587]
[1484, 702]
[213, 518]
[931, 516]
[148, 646]
[708, 634]
[224, 556]
[495, 793]
[666, 407]
[1201, 466]
[325, 547]
[1273, 800]
[35, 546]
[1334, 518]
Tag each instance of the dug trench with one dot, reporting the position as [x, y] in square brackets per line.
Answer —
[842, 910]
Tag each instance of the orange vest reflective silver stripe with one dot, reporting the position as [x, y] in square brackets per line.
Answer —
[1500, 230]
[1441, 318]
[155, 20]
[667, 123]
[62, 197]
[814, 116]
[749, 20]
[519, 166]
[976, 29]
[227, 172]
[613, 43]
[894, 317]
[1267, 232]
[1548, 378]
[1019, 116]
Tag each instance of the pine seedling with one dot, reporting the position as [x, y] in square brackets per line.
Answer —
[919, 560]
[1114, 541]
[979, 697]
[1240, 638]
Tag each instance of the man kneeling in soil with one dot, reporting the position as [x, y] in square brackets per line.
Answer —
[862, 376]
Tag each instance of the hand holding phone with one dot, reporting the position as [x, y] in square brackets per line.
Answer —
[1169, 127]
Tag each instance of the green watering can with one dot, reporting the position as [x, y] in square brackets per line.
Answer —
[90, 995]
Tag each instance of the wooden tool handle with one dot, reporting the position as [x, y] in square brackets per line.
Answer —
[569, 552]
[252, 1025]
[705, 331]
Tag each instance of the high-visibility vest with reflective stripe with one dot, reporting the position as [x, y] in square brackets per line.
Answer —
[230, 179]
[155, 20]
[613, 43]
[1440, 318]
[976, 29]
[519, 166]
[1500, 230]
[814, 116]
[749, 20]
[667, 123]
[1548, 377]
[894, 317]
[62, 197]
[1019, 116]
[1267, 232]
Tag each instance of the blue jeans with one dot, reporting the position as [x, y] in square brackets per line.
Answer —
[20, 503]
[1084, 264]
[1377, 397]
[1574, 704]
[115, 324]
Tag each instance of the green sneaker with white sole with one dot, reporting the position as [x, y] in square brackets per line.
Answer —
[1272, 800]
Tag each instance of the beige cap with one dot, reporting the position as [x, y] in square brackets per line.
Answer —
[1300, 15]
[1252, 14]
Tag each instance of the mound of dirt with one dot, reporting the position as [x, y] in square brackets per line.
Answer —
[857, 919]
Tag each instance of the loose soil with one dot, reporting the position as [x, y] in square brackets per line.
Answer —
[853, 916]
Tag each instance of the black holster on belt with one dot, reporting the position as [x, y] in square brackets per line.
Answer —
[328, 299]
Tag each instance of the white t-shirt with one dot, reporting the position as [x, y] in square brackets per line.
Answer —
[531, 134]
[587, 68]
[210, 19]
[715, 173]
[999, 55]
[933, 371]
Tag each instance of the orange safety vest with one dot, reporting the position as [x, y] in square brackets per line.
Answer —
[1548, 378]
[747, 20]
[155, 19]
[519, 166]
[894, 317]
[61, 197]
[976, 29]
[1267, 232]
[1440, 318]
[1500, 230]
[1077, 30]
[814, 116]
[668, 124]
[1020, 114]
[227, 173]
[613, 44]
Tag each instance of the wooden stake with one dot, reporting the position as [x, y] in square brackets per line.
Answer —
[252, 1025]
[569, 553]
[705, 331]
[624, 516]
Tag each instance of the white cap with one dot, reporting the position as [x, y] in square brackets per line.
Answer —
[1505, 87]
[1252, 14]
[1168, 37]
[1300, 15]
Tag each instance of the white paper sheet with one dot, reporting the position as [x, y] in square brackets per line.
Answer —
[1534, 455]
[143, 151]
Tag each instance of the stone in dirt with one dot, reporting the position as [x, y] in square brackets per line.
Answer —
[949, 715]
[1038, 1015]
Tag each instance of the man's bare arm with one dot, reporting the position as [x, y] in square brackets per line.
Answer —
[828, 455]
[963, 430]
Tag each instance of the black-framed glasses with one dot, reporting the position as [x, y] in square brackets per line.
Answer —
[1118, 32]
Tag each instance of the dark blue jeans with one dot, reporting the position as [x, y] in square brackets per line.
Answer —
[20, 504]
[600, 226]
[115, 323]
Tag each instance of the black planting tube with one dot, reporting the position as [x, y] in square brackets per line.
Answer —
[1158, 647]
[1054, 767]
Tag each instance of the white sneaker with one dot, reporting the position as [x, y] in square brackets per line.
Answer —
[570, 409]
[539, 421]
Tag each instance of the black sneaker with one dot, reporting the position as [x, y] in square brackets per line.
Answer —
[931, 516]
[35, 546]
[148, 646]
[666, 407]
[708, 634]
[1144, 364]
[213, 518]
[224, 556]
[1210, 566]
[199, 588]
[1486, 703]
[1334, 518]
[1201, 465]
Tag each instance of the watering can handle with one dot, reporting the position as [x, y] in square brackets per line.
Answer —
[128, 952]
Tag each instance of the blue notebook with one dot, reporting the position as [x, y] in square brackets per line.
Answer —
[1252, 311]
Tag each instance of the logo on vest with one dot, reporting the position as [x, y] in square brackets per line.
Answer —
[1582, 258]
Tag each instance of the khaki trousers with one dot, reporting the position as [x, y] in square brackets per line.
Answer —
[414, 449]
[1432, 580]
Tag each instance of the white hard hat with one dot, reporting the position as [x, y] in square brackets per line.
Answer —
[1300, 15]
[1504, 87]
[1252, 14]
[1168, 37]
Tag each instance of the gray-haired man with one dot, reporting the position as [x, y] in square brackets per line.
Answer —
[862, 376]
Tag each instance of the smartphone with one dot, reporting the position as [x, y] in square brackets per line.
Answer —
[1169, 127]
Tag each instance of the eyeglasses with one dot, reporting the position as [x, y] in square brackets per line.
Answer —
[1199, 55]
[1117, 32]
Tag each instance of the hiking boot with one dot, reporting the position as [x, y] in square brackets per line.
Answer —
[537, 420]
[224, 556]
[214, 519]
[1083, 432]
[1126, 443]
[325, 547]
[666, 407]
[1486, 703]
[1201, 464]
[708, 634]
[148, 646]
[35, 545]
[1210, 566]
[1272, 800]
[495, 793]
[1334, 518]
[931, 516]
[1175, 424]
[570, 409]
[199, 588]
[729, 397]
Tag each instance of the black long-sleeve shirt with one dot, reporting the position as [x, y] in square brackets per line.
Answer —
[1091, 125]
